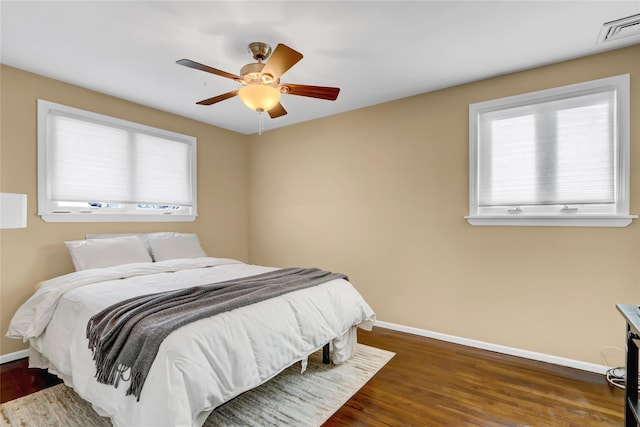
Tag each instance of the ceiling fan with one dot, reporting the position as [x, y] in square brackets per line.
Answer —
[261, 87]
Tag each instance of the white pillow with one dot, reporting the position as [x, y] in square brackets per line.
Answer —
[98, 253]
[141, 236]
[175, 245]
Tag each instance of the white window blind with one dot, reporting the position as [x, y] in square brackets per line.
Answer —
[92, 160]
[551, 156]
[552, 153]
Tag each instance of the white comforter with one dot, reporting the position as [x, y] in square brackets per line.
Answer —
[201, 365]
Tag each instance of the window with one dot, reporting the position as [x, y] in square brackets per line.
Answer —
[554, 157]
[97, 168]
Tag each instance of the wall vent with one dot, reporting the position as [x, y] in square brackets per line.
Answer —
[619, 29]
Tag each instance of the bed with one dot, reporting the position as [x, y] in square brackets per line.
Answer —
[200, 365]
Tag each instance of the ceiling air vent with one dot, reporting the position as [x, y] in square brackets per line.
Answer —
[619, 29]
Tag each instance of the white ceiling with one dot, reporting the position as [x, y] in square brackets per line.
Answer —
[374, 51]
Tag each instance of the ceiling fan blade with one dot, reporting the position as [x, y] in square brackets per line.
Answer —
[282, 58]
[277, 111]
[218, 98]
[322, 92]
[192, 64]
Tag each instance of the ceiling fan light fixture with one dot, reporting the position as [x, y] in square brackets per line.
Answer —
[259, 97]
[261, 88]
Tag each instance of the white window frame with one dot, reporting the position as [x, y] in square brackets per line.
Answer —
[51, 211]
[567, 216]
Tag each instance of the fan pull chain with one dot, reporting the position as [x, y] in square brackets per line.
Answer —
[260, 122]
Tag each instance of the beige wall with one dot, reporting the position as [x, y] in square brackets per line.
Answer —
[380, 194]
[37, 252]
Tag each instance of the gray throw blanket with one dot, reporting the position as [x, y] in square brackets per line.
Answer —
[126, 336]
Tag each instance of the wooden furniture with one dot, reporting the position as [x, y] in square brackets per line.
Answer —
[631, 313]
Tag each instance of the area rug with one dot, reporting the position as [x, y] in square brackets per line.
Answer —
[288, 399]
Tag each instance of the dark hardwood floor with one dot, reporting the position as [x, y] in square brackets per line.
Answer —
[435, 383]
[17, 380]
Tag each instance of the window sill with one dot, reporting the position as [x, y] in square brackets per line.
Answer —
[91, 217]
[552, 220]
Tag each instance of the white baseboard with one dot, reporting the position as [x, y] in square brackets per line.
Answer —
[556, 360]
[5, 358]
